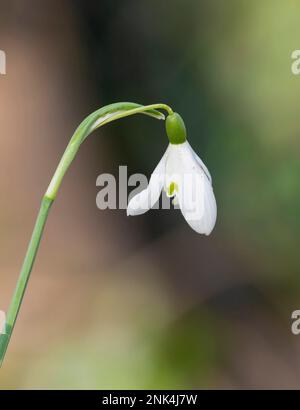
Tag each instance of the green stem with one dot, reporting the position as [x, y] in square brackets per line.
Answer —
[95, 120]
[24, 275]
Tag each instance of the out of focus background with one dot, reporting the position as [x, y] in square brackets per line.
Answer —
[145, 302]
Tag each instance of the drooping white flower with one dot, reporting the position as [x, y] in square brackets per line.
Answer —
[182, 175]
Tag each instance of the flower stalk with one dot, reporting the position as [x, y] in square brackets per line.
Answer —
[95, 120]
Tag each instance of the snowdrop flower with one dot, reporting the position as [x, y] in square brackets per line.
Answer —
[183, 176]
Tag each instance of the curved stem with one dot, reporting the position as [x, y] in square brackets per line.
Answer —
[100, 117]
[92, 122]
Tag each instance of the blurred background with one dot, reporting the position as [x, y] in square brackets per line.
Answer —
[145, 302]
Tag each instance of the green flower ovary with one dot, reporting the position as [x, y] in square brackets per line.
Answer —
[175, 128]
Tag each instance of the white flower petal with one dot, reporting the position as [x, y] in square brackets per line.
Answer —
[201, 163]
[197, 204]
[195, 194]
[184, 176]
[146, 199]
[179, 159]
